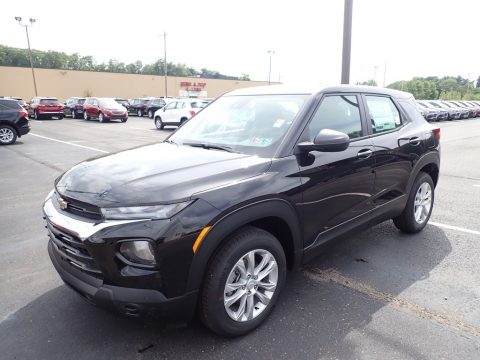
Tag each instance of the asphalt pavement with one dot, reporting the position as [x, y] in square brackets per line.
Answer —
[378, 294]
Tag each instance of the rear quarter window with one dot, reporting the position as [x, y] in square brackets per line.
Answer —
[9, 104]
[411, 110]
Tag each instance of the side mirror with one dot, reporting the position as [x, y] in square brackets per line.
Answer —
[326, 141]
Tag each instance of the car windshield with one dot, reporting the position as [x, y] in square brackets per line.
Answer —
[252, 125]
[108, 103]
[81, 101]
[48, 101]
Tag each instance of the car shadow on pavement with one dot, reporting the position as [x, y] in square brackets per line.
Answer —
[311, 320]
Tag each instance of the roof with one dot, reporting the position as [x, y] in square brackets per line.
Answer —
[283, 89]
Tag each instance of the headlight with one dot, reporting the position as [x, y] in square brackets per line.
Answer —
[144, 212]
[138, 251]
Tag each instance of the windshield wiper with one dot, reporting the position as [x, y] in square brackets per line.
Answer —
[210, 146]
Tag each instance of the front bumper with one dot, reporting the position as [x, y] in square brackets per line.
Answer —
[128, 301]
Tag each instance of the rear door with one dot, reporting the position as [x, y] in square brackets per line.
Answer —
[338, 186]
[398, 144]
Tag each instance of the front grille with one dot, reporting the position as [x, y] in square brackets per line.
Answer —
[73, 251]
[81, 208]
[118, 112]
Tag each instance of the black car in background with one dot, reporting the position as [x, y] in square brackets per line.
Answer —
[138, 106]
[13, 121]
[123, 102]
[74, 107]
[154, 105]
[254, 184]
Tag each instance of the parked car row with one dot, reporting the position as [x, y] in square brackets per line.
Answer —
[438, 110]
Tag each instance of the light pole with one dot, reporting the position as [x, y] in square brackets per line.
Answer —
[270, 53]
[165, 61]
[26, 26]
[347, 41]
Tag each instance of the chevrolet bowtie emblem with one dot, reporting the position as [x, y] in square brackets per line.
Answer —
[62, 203]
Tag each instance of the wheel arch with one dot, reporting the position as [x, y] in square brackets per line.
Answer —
[12, 125]
[277, 216]
[430, 164]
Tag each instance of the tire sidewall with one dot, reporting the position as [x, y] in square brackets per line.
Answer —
[160, 126]
[421, 178]
[247, 241]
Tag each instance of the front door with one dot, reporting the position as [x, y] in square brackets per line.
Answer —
[338, 186]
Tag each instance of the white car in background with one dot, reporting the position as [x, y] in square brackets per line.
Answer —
[177, 112]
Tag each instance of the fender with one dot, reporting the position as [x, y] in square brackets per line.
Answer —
[429, 158]
[235, 219]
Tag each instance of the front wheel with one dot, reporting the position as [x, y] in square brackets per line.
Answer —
[101, 118]
[36, 116]
[159, 123]
[243, 282]
[85, 116]
[150, 114]
[139, 113]
[419, 206]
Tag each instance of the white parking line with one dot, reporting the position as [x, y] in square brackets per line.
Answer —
[457, 228]
[70, 143]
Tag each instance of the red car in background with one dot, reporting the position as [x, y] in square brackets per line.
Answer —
[45, 108]
[104, 109]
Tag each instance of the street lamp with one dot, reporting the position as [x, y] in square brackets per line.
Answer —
[26, 26]
[165, 61]
[270, 53]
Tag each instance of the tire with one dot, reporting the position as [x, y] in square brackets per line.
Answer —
[8, 135]
[36, 116]
[60, 117]
[139, 113]
[159, 123]
[251, 303]
[101, 118]
[150, 114]
[124, 120]
[74, 116]
[85, 116]
[419, 206]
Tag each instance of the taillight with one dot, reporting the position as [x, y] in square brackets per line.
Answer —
[436, 133]
[23, 113]
[192, 112]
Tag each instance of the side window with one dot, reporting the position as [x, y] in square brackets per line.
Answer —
[384, 115]
[181, 105]
[337, 112]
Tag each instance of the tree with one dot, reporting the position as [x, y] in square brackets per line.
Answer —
[370, 82]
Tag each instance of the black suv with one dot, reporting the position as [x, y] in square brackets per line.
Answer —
[154, 105]
[13, 121]
[74, 107]
[253, 185]
[138, 106]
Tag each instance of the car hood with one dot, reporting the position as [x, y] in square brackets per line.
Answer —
[154, 174]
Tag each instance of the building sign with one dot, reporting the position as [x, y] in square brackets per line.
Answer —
[192, 89]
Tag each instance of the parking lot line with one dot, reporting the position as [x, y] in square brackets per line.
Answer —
[70, 143]
[333, 276]
[457, 228]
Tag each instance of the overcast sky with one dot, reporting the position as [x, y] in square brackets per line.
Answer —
[413, 37]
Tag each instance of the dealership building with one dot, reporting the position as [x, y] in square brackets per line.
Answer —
[62, 84]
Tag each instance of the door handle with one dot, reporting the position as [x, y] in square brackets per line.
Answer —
[364, 153]
[414, 141]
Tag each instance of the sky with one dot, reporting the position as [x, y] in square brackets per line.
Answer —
[408, 37]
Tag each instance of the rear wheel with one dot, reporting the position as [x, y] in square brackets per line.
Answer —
[36, 116]
[85, 116]
[419, 206]
[74, 116]
[60, 117]
[159, 123]
[243, 282]
[150, 114]
[139, 113]
[7, 135]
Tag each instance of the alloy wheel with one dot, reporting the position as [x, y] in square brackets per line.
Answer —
[6, 135]
[250, 285]
[423, 202]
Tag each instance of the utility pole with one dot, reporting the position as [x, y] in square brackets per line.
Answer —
[165, 61]
[347, 41]
[270, 53]
[26, 26]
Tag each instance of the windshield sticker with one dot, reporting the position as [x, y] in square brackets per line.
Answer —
[262, 141]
